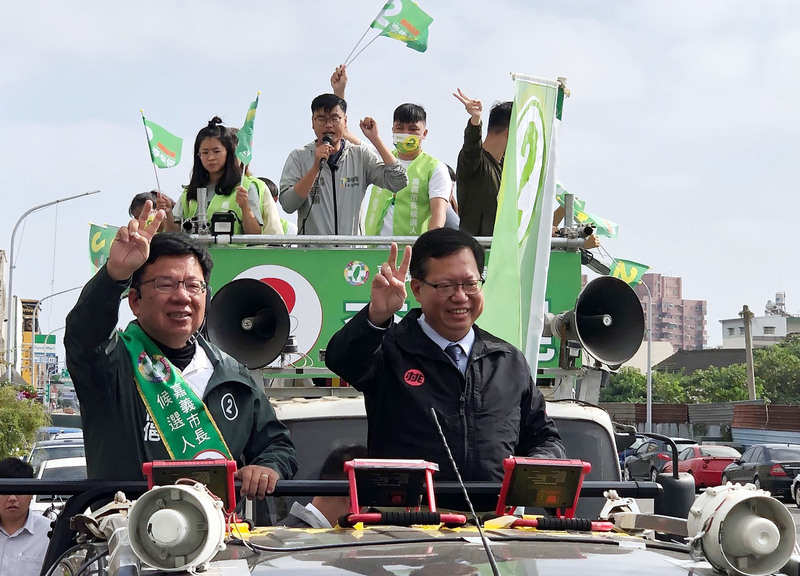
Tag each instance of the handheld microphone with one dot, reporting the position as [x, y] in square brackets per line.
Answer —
[327, 139]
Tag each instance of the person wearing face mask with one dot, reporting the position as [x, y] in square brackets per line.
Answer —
[422, 205]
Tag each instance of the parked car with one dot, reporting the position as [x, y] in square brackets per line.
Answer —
[50, 432]
[648, 460]
[770, 467]
[52, 449]
[705, 463]
[794, 490]
[640, 439]
[58, 469]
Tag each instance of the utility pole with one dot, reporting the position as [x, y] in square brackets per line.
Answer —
[747, 317]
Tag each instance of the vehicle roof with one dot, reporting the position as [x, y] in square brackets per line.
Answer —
[59, 442]
[63, 462]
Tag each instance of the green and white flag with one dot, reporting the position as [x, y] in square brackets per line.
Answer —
[520, 256]
[244, 149]
[100, 239]
[405, 21]
[165, 147]
[628, 270]
[603, 226]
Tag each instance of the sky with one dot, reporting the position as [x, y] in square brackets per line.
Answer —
[682, 124]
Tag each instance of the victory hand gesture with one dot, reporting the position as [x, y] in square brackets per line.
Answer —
[473, 107]
[388, 293]
[131, 245]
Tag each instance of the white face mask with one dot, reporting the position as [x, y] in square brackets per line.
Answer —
[406, 142]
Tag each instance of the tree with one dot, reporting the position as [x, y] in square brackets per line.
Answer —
[627, 385]
[20, 418]
[778, 367]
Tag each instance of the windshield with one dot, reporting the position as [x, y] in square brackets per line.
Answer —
[719, 452]
[784, 454]
[41, 454]
[65, 473]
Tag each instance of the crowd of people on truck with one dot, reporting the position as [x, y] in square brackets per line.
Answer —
[338, 184]
[159, 390]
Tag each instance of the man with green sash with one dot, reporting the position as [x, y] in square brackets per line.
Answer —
[421, 205]
[158, 390]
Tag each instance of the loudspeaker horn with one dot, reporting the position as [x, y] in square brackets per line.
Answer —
[177, 528]
[741, 530]
[249, 320]
[607, 321]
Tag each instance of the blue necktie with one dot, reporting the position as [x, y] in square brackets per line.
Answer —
[454, 351]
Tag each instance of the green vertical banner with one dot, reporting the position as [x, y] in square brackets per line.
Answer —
[515, 284]
[628, 270]
[100, 239]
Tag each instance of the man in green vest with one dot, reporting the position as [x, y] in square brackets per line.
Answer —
[158, 390]
[421, 205]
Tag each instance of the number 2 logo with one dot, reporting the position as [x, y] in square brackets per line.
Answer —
[229, 407]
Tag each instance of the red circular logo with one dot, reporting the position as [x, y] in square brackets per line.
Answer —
[414, 377]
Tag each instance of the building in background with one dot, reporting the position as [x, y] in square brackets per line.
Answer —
[680, 322]
[765, 330]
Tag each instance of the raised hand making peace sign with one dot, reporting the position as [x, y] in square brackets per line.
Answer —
[388, 293]
[131, 245]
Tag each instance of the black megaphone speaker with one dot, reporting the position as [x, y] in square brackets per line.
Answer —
[608, 321]
[248, 319]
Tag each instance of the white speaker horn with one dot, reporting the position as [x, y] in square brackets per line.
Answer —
[177, 527]
[741, 530]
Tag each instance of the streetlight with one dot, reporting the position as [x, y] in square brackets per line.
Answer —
[35, 330]
[9, 318]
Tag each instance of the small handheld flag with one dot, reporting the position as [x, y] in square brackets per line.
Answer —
[244, 149]
[165, 147]
[405, 21]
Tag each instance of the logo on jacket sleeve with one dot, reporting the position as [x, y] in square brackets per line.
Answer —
[229, 407]
[414, 377]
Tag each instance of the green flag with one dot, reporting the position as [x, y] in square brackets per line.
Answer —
[603, 226]
[405, 21]
[244, 149]
[100, 239]
[520, 256]
[628, 270]
[165, 147]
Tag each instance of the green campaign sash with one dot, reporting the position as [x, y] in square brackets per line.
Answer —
[181, 418]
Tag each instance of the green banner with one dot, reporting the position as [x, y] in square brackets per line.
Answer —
[100, 239]
[628, 270]
[324, 288]
[516, 281]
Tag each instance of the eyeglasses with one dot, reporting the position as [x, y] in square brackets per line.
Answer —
[322, 120]
[215, 152]
[170, 285]
[448, 289]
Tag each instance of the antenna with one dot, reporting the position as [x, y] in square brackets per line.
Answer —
[485, 540]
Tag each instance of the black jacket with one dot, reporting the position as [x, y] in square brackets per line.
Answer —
[116, 428]
[492, 412]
